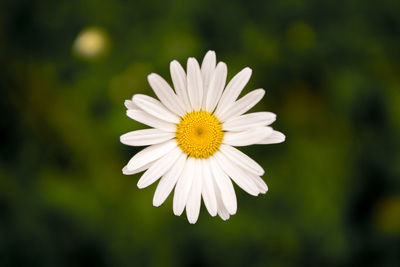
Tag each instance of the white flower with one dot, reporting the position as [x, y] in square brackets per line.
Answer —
[194, 131]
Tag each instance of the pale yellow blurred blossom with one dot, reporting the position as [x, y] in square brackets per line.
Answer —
[91, 43]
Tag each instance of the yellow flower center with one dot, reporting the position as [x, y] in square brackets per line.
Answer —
[199, 134]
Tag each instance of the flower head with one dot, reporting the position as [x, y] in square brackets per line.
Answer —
[194, 129]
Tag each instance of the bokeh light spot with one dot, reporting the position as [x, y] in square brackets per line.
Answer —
[91, 43]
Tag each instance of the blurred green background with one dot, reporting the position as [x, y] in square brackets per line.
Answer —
[332, 74]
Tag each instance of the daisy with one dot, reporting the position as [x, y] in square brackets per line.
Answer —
[193, 134]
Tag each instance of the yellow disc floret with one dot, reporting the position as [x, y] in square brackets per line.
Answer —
[199, 134]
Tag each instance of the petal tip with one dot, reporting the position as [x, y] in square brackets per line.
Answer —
[151, 76]
[177, 212]
[224, 218]
[210, 53]
[192, 220]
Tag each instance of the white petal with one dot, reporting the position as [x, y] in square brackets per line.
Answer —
[246, 138]
[241, 159]
[208, 66]
[222, 211]
[274, 138]
[216, 86]
[242, 105]
[233, 90]
[128, 172]
[155, 108]
[247, 121]
[194, 199]
[165, 93]
[159, 168]
[129, 104]
[194, 83]
[207, 69]
[150, 154]
[168, 181]
[237, 175]
[146, 137]
[262, 186]
[225, 187]
[178, 76]
[145, 118]
[208, 191]
[183, 187]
